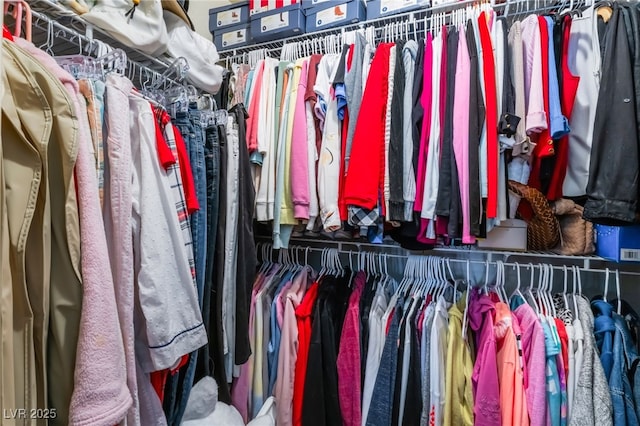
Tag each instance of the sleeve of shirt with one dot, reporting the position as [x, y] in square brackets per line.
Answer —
[167, 308]
[187, 174]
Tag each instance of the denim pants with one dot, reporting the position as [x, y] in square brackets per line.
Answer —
[212, 165]
[180, 384]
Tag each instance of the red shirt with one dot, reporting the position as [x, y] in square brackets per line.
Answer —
[304, 319]
[187, 174]
[164, 152]
[365, 177]
[492, 116]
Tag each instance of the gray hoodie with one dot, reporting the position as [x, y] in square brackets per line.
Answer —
[592, 402]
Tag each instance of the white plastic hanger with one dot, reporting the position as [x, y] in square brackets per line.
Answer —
[606, 285]
[619, 301]
[517, 291]
[465, 316]
[564, 287]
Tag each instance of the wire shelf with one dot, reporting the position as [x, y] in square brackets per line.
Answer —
[73, 35]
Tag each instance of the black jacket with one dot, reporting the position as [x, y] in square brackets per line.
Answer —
[613, 186]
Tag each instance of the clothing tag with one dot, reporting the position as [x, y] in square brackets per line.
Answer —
[273, 22]
[229, 17]
[332, 14]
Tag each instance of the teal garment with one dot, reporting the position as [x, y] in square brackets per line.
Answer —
[248, 88]
[516, 301]
[554, 395]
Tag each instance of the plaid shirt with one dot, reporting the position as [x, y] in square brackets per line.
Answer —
[176, 187]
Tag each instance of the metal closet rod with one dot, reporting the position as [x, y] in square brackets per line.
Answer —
[74, 37]
[514, 265]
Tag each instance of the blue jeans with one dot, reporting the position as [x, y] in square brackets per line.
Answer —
[625, 355]
[192, 132]
[212, 165]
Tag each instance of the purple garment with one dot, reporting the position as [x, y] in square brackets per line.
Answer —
[535, 362]
[349, 380]
[486, 387]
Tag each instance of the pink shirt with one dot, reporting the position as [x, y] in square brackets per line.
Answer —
[512, 396]
[299, 151]
[535, 362]
[289, 347]
[425, 100]
[349, 379]
[486, 386]
[534, 93]
[461, 131]
[254, 104]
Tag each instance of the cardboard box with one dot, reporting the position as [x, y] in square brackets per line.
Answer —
[288, 21]
[228, 15]
[381, 8]
[335, 14]
[232, 37]
[618, 243]
[510, 235]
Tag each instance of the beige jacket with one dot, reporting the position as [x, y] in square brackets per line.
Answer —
[39, 149]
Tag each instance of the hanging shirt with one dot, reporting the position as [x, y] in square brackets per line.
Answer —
[461, 131]
[375, 345]
[533, 351]
[510, 371]
[304, 318]
[330, 151]
[458, 409]
[438, 358]
[485, 373]
[554, 395]
[584, 61]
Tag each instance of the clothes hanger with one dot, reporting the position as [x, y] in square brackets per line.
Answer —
[573, 292]
[564, 287]
[549, 289]
[606, 285]
[16, 8]
[465, 315]
[517, 291]
[529, 292]
[505, 297]
[486, 277]
[619, 299]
